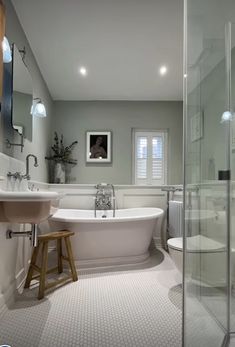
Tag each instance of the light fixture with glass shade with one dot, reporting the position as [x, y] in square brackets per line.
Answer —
[6, 51]
[38, 108]
[227, 116]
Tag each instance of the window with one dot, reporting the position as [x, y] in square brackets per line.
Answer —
[150, 153]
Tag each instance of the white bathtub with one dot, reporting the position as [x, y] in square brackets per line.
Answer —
[124, 239]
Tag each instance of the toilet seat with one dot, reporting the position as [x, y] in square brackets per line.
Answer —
[196, 244]
[176, 243]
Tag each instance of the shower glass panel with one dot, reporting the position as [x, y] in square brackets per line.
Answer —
[207, 169]
[232, 321]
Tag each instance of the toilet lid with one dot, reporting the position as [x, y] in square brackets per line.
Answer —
[196, 243]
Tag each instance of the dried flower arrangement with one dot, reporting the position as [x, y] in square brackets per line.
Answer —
[62, 154]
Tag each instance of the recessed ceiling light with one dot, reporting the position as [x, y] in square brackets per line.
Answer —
[163, 70]
[83, 71]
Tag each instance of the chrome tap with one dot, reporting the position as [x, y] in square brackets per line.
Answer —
[105, 198]
[16, 175]
[27, 175]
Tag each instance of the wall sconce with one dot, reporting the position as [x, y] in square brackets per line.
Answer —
[227, 116]
[6, 51]
[38, 109]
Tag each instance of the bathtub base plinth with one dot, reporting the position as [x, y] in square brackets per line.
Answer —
[111, 262]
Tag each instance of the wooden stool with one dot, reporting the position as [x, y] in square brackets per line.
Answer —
[43, 240]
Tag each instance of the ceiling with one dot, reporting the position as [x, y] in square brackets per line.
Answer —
[122, 43]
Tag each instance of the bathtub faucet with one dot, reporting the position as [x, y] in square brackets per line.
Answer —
[105, 198]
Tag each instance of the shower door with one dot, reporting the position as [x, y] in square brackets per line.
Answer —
[232, 313]
[207, 150]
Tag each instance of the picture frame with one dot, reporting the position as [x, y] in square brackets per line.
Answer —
[98, 146]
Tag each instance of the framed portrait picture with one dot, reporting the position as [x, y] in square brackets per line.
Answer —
[98, 146]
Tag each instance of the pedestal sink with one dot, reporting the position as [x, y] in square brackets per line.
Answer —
[28, 206]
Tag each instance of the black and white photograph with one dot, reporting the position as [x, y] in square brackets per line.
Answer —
[98, 146]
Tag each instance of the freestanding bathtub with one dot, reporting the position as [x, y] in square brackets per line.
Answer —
[104, 241]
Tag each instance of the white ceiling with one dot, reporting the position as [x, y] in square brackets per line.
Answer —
[121, 42]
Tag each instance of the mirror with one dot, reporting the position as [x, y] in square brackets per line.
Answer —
[22, 96]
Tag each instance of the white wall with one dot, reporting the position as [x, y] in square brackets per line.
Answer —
[73, 119]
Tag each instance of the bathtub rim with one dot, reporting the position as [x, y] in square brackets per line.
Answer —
[158, 213]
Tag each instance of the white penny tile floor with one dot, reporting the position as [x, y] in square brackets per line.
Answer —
[138, 306]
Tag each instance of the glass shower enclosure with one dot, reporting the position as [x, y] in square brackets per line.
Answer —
[209, 173]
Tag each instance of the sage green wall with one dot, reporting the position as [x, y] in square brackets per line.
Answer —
[74, 118]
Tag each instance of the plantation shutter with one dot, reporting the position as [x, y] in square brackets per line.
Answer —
[150, 157]
[141, 158]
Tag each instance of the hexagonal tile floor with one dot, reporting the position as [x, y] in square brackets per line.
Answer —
[138, 306]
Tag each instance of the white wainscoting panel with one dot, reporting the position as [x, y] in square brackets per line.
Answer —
[14, 253]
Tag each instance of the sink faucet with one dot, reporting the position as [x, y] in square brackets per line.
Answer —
[27, 175]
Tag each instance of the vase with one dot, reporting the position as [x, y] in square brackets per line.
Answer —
[59, 173]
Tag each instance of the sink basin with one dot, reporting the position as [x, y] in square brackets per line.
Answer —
[28, 206]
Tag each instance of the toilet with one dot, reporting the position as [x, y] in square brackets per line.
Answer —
[202, 251]
[202, 255]
[197, 244]
[175, 247]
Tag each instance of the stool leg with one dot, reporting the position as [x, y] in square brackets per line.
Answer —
[59, 255]
[32, 262]
[70, 257]
[43, 270]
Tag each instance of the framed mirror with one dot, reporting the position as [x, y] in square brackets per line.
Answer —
[22, 95]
